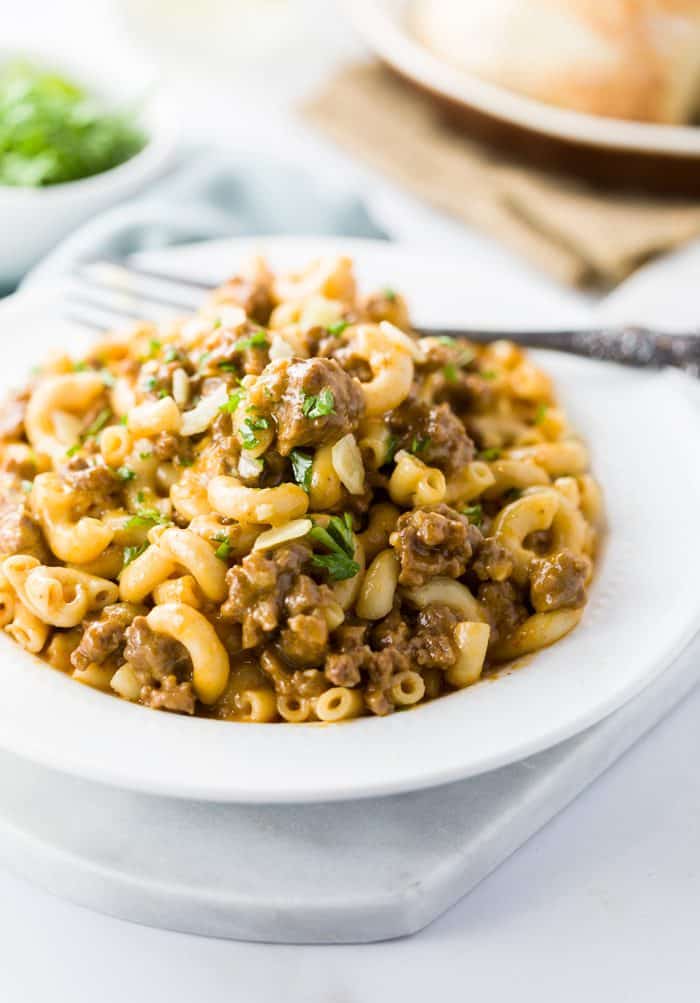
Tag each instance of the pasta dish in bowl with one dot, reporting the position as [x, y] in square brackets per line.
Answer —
[289, 508]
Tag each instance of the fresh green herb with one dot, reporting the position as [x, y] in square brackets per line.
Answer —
[145, 456]
[163, 393]
[234, 399]
[446, 339]
[249, 427]
[202, 360]
[392, 444]
[140, 497]
[52, 131]
[489, 454]
[150, 384]
[419, 445]
[131, 553]
[450, 372]
[107, 377]
[228, 367]
[474, 513]
[258, 339]
[185, 461]
[98, 424]
[91, 431]
[389, 295]
[154, 346]
[258, 423]
[123, 420]
[337, 329]
[301, 467]
[146, 517]
[541, 413]
[488, 374]
[171, 354]
[247, 436]
[318, 405]
[27, 487]
[126, 473]
[223, 551]
[80, 367]
[338, 539]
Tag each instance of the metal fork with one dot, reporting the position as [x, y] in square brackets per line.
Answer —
[105, 294]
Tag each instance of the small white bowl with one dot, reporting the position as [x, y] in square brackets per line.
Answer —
[33, 220]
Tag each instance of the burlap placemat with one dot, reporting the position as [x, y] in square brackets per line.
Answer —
[578, 234]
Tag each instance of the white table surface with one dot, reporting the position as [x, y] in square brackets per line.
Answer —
[602, 904]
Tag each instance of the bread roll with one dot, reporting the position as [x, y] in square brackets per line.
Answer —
[631, 59]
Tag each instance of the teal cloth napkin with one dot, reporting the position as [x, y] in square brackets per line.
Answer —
[213, 194]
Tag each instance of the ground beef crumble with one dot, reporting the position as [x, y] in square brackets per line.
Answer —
[285, 389]
[433, 541]
[105, 635]
[434, 433]
[162, 667]
[558, 582]
[19, 531]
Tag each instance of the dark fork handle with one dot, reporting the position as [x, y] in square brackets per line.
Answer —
[630, 346]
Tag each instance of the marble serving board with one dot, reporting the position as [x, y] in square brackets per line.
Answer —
[337, 873]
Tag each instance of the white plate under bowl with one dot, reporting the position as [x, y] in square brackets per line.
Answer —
[644, 604]
[384, 25]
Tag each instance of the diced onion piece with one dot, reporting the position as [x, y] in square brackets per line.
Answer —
[293, 530]
[200, 417]
[125, 683]
[196, 328]
[347, 463]
[402, 340]
[249, 466]
[231, 316]
[181, 387]
[66, 426]
[279, 348]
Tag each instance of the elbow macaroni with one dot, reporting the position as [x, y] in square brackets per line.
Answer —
[228, 515]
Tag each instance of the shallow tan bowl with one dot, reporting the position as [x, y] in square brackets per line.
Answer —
[615, 152]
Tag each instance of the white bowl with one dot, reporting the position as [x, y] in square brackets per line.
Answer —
[644, 606]
[33, 220]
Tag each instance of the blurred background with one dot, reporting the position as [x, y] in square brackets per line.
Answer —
[557, 137]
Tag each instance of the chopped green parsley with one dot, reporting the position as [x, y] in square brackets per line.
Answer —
[223, 551]
[234, 399]
[249, 427]
[318, 405]
[91, 431]
[258, 339]
[131, 553]
[301, 468]
[392, 445]
[125, 473]
[474, 513]
[337, 329]
[419, 445]
[339, 541]
[146, 517]
[489, 454]
[541, 413]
